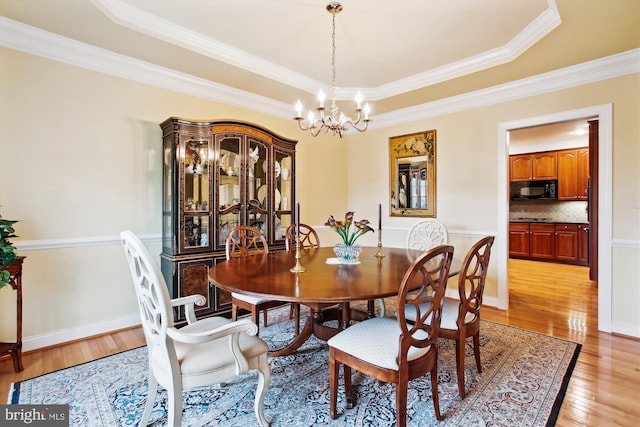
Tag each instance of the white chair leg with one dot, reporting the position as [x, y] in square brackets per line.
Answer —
[151, 399]
[174, 417]
[264, 378]
[381, 302]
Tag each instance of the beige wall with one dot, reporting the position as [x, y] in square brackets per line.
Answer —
[80, 161]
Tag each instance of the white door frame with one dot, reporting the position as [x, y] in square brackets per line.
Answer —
[605, 178]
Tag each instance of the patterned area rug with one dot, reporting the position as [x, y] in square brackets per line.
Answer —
[524, 379]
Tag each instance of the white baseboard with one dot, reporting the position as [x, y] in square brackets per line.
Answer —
[35, 342]
[626, 328]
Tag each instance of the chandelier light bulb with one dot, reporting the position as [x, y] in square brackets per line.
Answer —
[298, 109]
[358, 100]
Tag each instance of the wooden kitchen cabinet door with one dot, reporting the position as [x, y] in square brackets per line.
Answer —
[520, 167]
[541, 240]
[573, 174]
[545, 165]
[519, 239]
[567, 242]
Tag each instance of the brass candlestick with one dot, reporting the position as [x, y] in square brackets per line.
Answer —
[298, 268]
[379, 254]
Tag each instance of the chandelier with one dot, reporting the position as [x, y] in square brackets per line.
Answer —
[332, 120]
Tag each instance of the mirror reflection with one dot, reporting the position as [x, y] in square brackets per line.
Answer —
[412, 174]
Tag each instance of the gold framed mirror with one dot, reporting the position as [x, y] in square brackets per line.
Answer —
[412, 172]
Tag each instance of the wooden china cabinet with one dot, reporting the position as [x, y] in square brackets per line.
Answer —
[216, 175]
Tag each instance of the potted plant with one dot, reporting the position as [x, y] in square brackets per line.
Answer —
[8, 252]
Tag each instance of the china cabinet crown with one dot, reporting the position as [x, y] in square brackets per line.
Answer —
[216, 175]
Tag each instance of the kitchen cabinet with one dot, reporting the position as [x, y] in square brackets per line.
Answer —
[583, 244]
[573, 174]
[566, 242]
[519, 239]
[541, 241]
[216, 175]
[531, 240]
[533, 166]
[555, 242]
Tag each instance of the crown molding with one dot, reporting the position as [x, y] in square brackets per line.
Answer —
[143, 22]
[146, 23]
[589, 72]
[530, 35]
[16, 35]
[35, 41]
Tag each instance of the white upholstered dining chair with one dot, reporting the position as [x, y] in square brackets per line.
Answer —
[424, 235]
[204, 352]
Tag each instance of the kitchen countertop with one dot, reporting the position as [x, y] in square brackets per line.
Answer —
[545, 220]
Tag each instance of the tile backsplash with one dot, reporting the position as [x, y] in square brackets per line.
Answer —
[558, 211]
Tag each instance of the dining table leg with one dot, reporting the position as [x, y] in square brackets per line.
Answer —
[345, 318]
[300, 338]
[316, 324]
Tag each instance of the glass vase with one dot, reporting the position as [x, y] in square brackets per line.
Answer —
[347, 252]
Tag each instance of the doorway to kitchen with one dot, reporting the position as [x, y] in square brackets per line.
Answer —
[601, 187]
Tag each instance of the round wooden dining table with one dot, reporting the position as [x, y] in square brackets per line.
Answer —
[324, 287]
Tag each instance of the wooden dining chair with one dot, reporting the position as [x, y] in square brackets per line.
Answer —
[208, 351]
[243, 240]
[393, 350]
[461, 319]
[308, 239]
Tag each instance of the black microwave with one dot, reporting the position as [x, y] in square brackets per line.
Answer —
[544, 189]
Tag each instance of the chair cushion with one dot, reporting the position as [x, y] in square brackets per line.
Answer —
[196, 359]
[250, 299]
[449, 314]
[375, 341]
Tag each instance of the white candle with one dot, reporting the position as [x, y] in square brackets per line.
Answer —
[358, 100]
[298, 109]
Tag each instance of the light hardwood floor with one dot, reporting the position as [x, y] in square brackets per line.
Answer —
[552, 299]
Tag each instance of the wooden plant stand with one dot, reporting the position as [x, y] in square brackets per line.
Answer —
[14, 349]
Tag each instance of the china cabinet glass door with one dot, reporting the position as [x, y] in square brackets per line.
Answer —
[283, 194]
[196, 194]
[229, 184]
[257, 186]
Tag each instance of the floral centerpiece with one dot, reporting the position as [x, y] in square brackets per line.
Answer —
[348, 250]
